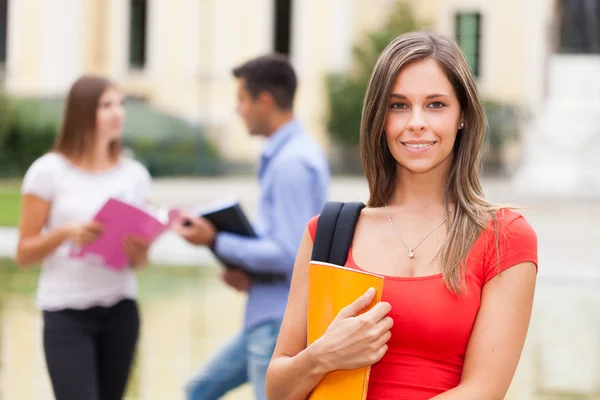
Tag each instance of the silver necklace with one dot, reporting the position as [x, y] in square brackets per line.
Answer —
[411, 253]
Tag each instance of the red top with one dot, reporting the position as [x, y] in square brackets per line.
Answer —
[431, 325]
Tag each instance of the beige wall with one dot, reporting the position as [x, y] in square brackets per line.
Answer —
[96, 15]
[502, 41]
[321, 42]
[24, 43]
[193, 45]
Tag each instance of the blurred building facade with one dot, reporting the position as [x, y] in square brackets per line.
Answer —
[178, 54]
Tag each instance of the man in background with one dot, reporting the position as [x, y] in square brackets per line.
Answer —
[294, 179]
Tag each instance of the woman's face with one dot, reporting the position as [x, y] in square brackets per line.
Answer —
[423, 118]
[110, 116]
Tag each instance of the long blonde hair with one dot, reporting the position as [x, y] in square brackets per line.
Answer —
[472, 213]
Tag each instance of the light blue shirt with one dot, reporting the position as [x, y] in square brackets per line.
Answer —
[294, 185]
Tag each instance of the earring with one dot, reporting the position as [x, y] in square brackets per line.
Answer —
[462, 125]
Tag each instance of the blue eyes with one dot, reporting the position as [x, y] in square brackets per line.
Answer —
[402, 106]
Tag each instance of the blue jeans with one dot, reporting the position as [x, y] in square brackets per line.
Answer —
[245, 358]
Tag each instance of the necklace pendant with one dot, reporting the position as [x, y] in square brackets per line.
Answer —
[410, 253]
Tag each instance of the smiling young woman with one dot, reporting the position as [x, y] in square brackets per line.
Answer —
[459, 271]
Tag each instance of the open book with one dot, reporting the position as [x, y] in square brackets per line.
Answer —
[331, 288]
[120, 220]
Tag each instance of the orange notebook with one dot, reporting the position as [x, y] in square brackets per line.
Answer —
[331, 288]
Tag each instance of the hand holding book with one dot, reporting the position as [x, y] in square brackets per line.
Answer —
[201, 225]
[348, 328]
[200, 231]
[88, 232]
[354, 341]
[195, 230]
[108, 238]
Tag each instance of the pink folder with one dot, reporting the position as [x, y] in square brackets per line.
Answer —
[120, 220]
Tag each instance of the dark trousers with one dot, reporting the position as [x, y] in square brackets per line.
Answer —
[89, 352]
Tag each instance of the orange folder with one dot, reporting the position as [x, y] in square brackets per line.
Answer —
[331, 288]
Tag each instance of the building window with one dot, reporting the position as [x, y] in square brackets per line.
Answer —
[137, 33]
[468, 35]
[283, 26]
[578, 29]
[3, 30]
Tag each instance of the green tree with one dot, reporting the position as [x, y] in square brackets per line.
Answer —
[6, 116]
[346, 91]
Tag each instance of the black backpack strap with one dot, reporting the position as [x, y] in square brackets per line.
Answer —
[325, 230]
[335, 231]
[344, 232]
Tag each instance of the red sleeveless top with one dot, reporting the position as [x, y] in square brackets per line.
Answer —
[432, 326]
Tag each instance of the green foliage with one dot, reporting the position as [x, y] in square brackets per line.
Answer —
[176, 155]
[503, 125]
[165, 144]
[346, 92]
[5, 118]
[28, 135]
[503, 122]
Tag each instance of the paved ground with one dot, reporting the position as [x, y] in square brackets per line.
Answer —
[562, 353]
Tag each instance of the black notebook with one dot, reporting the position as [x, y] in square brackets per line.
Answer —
[228, 216]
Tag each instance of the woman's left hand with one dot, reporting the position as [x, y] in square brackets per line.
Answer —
[137, 250]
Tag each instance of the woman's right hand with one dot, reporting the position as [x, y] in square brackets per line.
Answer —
[353, 340]
[85, 233]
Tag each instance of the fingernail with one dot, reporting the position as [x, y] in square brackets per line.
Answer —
[370, 291]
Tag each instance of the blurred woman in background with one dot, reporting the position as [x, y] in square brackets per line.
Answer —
[91, 320]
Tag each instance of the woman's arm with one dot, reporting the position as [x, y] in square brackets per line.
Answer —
[351, 341]
[33, 247]
[498, 335]
[291, 357]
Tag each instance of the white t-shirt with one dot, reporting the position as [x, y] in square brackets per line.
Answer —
[76, 195]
